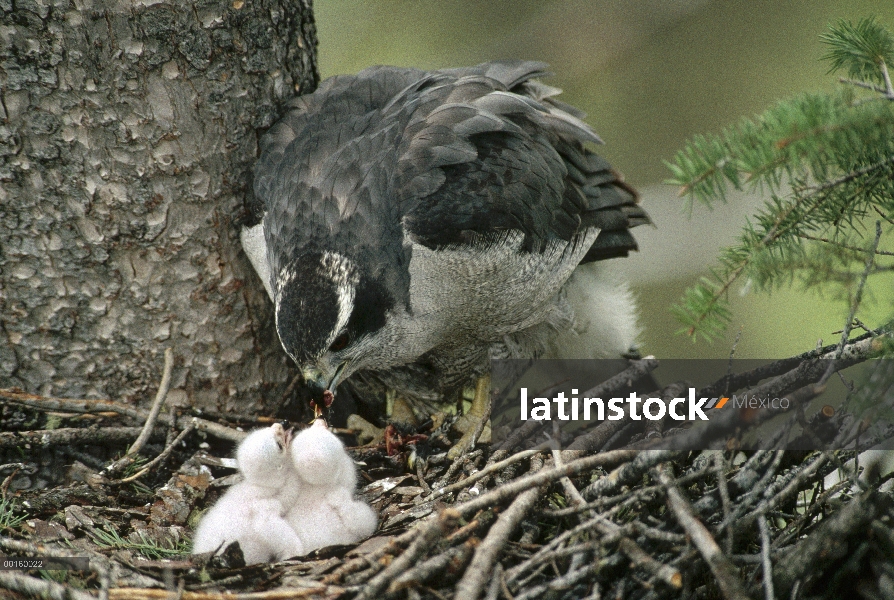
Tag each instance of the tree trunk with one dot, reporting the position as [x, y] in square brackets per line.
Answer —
[127, 135]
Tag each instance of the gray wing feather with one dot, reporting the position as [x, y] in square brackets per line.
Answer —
[437, 155]
[531, 171]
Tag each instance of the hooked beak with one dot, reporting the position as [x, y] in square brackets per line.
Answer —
[335, 378]
[323, 392]
[317, 382]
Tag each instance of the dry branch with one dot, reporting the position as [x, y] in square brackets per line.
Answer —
[19, 582]
[426, 537]
[476, 575]
[68, 436]
[97, 406]
[615, 543]
[723, 570]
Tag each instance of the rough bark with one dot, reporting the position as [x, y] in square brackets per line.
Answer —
[127, 135]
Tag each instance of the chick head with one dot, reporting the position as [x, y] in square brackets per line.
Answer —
[318, 455]
[263, 456]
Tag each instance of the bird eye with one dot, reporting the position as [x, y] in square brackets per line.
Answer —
[340, 343]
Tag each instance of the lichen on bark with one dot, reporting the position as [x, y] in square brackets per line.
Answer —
[127, 135]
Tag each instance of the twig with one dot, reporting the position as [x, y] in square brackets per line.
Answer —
[766, 563]
[564, 582]
[636, 370]
[458, 462]
[549, 550]
[858, 297]
[162, 393]
[288, 392]
[723, 489]
[537, 563]
[853, 175]
[658, 534]
[887, 218]
[628, 472]
[92, 406]
[277, 594]
[498, 466]
[420, 477]
[512, 489]
[456, 557]
[820, 386]
[159, 401]
[161, 457]
[723, 570]
[466, 531]
[807, 372]
[631, 549]
[818, 502]
[640, 493]
[496, 585]
[605, 430]
[478, 572]
[843, 246]
[630, 497]
[223, 582]
[639, 557]
[85, 406]
[427, 532]
[889, 89]
[519, 435]
[7, 481]
[861, 84]
[482, 422]
[19, 582]
[829, 540]
[570, 489]
[593, 440]
[67, 436]
[789, 488]
[756, 491]
[425, 538]
[357, 564]
[752, 377]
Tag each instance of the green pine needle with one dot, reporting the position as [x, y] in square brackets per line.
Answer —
[859, 49]
[827, 161]
[10, 514]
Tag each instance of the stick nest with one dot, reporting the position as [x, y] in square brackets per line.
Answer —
[587, 521]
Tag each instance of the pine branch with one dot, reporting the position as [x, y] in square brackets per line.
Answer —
[827, 161]
[859, 48]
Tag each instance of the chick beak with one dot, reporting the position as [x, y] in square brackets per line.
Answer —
[326, 402]
[281, 436]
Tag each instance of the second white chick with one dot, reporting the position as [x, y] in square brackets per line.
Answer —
[253, 511]
[325, 512]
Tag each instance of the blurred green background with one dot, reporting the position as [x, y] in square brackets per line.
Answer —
[650, 74]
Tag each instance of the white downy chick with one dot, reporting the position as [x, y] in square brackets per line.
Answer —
[253, 511]
[325, 512]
